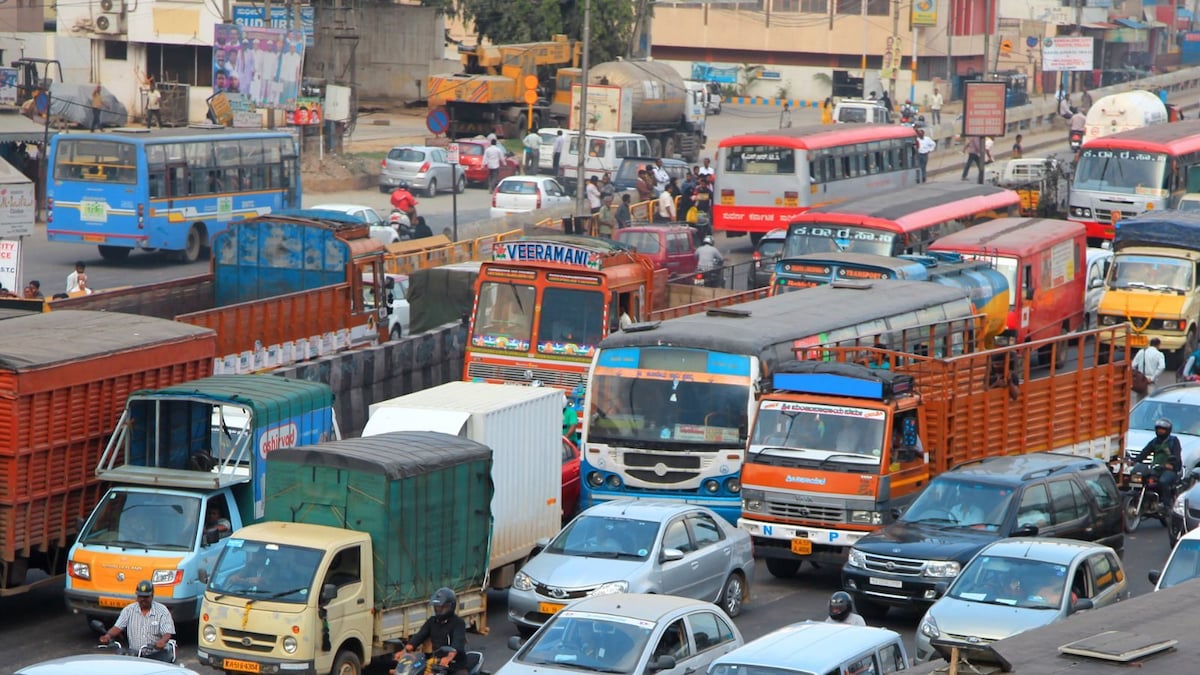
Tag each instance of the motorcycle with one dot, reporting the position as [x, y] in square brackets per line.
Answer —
[419, 663]
[908, 115]
[402, 223]
[147, 651]
[1142, 499]
[1075, 139]
[714, 278]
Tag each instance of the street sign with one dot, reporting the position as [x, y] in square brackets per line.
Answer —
[438, 120]
[452, 153]
[1006, 47]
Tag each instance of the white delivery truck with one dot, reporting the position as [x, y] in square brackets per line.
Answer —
[523, 427]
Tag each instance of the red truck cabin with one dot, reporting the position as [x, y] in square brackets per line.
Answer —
[1044, 260]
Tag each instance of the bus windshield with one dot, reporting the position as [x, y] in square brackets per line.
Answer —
[144, 520]
[760, 159]
[1161, 274]
[818, 433]
[572, 321]
[822, 238]
[1122, 171]
[95, 161]
[664, 408]
[504, 316]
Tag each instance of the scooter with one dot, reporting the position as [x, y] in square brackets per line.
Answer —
[714, 278]
[1076, 140]
[166, 654]
[402, 224]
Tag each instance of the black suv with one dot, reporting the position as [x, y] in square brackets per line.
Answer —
[911, 562]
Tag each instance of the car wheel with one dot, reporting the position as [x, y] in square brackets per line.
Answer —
[462, 185]
[782, 569]
[346, 663]
[431, 191]
[731, 595]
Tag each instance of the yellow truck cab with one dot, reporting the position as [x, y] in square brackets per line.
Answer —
[1152, 281]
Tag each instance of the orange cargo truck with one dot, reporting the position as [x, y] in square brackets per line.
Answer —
[64, 378]
[837, 447]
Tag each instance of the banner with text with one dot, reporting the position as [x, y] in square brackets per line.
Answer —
[1067, 53]
[8, 86]
[10, 265]
[252, 16]
[924, 14]
[261, 64]
[983, 109]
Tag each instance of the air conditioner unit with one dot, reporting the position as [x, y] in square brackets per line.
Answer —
[108, 16]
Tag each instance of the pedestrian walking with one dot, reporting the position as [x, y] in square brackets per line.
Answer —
[886, 101]
[153, 106]
[559, 141]
[97, 107]
[925, 145]
[1147, 366]
[785, 116]
[533, 144]
[493, 157]
[827, 111]
[1017, 150]
[974, 152]
[594, 198]
[935, 106]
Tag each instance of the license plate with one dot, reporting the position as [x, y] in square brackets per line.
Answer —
[1138, 340]
[726, 201]
[99, 238]
[549, 607]
[888, 583]
[113, 602]
[241, 666]
[791, 202]
[801, 547]
[1136, 479]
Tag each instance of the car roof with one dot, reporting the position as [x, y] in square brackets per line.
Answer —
[777, 233]
[1017, 469]
[641, 509]
[644, 606]
[412, 147]
[1046, 549]
[536, 179]
[811, 645]
[1187, 393]
[104, 664]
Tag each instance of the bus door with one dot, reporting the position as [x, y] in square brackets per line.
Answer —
[177, 182]
[290, 176]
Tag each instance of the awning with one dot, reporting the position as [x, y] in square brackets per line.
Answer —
[1132, 23]
[17, 128]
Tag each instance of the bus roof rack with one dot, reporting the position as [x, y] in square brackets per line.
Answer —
[840, 379]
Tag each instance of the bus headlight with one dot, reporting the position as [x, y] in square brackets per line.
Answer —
[1081, 211]
[712, 487]
[290, 644]
[209, 633]
[733, 485]
[595, 479]
[613, 481]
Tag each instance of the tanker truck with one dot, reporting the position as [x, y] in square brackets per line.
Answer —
[1124, 111]
[642, 97]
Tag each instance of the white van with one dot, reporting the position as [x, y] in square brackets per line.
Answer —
[605, 151]
[819, 648]
[860, 111]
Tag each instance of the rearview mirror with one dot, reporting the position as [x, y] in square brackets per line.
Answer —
[1080, 605]
[1097, 283]
[671, 555]
[1154, 576]
[328, 592]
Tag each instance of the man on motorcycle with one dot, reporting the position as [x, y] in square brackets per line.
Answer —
[1166, 459]
[443, 629]
[147, 624]
[709, 262]
[404, 201]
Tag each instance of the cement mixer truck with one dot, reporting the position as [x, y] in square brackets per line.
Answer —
[1124, 111]
[643, 97]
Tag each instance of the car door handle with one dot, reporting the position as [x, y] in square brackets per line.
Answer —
[695, 564]
[362, 601]
[689, 670]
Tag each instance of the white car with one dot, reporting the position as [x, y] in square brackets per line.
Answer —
[521, 194]
[1098, 262]
[380, 229]
[398, 312]
[104, 664]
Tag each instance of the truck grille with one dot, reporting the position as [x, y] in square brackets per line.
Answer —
[520, 374]
[893, 565]
[1105, 215]
[824, 514]
[247, 641]
[680, 468]
[561, 593]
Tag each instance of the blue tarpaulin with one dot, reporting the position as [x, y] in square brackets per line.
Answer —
[1132, 23]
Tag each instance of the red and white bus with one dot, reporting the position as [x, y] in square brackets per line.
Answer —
[1125, 174]
[765, 179]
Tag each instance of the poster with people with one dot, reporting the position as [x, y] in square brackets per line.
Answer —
[262, 65]
[306, 113]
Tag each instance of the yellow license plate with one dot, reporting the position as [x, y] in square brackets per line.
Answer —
[241, 666]
[113, 602]
[726, 201]
[549, 607]
[1138, 340]
[801, 547]
[791, 202]
[93, 237]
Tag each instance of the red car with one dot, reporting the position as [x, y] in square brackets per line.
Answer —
[570, 479]
[470, 156]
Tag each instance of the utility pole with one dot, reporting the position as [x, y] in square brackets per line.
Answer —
[987, 37]
[950, 51]
[269, 24]
[896, 53]
[581, 206]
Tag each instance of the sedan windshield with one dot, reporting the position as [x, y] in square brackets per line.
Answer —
[144, 520]
[601, 643]
[1184, 418]
[1017, 582]
[1184, 565]
[961, 503]
[601, 537]
[264, 571]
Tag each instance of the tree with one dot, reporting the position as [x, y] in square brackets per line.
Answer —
[513, 21]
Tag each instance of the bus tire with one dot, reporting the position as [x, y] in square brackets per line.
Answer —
[194, 246]
[114, 253]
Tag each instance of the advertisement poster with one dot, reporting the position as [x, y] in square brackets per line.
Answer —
[924, 14]
[307, 113]
[260, 64]
[10, 256]
[251, 16]
[1067, 53]
[8, 86]
[983, 109]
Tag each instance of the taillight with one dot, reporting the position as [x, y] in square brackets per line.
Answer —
[539, 199]
[757, 255]
[49, 209]
[383, 163]
[424, 168]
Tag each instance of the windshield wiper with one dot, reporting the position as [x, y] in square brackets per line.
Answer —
[840, 454]
[922, 521]
[280, 594]
[126, 543]
[757, 453]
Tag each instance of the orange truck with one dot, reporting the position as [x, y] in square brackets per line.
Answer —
[284, 287]
[64, 378]
[838, 448]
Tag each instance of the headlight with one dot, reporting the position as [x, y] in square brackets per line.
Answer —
[1174, 325]
[522, 582]
[613, 481]
[164, 577]
[942, 568]
[81, 570]
[595, 479]
[866, 517]
[929, 627]
[857, 558]
[1108, 320]
[751, 505]
[610, 588]
[290, 644]
[733, 485]
[712, 487]
[1178, 506]
[209, 633]
[1081, 211]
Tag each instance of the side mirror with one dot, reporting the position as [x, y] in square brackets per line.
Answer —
[1097, 283]
[211, 537]
[896, 512]
[328, 593]
[664, 662]
[1025, 531]
[540, 545]
[202, 575]
[1154, 576]
[515, 642]
[671, 555]
[1080, 605]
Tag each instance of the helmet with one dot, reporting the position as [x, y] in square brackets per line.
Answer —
[708, 240]
[145, 588]
[444, 602]
[1163, 423]
[840, 606]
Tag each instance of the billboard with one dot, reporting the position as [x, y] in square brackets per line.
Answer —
[983, 109]
[251, 16]
[924, 14]
[8, 86]
[1067, 53]
[262, 65]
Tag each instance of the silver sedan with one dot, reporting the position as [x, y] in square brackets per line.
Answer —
[635, 546]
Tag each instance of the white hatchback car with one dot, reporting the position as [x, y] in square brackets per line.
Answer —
[104, 664]
[521, 194]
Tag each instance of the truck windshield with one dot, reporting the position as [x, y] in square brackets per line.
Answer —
[1150, 272]
[572, 321]
[588, 641]
[266, 571]
[665, 410]
[1016, 582]
[827, 238]
[949, 502]
[1122, 171]
[504, 316]
[131, 519]
[810, 435]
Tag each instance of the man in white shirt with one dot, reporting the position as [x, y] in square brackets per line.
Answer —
[592, 191]
[660, 175]
[493, 157]
[73, 277]
[1150, 362]
[935, 106]
[925, 145]
[559, 142]
[705, 170]
[146, 623]
[666, 207]
[533, 144]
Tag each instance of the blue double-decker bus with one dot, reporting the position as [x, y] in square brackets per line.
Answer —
[168, 189]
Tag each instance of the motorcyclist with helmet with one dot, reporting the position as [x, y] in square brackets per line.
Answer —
[709, 262]
[841, 610]
[1166, 459]
[443, 629]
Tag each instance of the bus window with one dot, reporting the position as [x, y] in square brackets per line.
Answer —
[571, 316]
[105, 161]
[761, 159]
[506, 311]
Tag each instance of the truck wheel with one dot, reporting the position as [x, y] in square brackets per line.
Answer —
[656, 148]
[782, 569]
[669, 148]
[346, 663]
[114, 253]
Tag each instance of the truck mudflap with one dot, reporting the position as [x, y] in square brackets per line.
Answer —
[800, 542]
